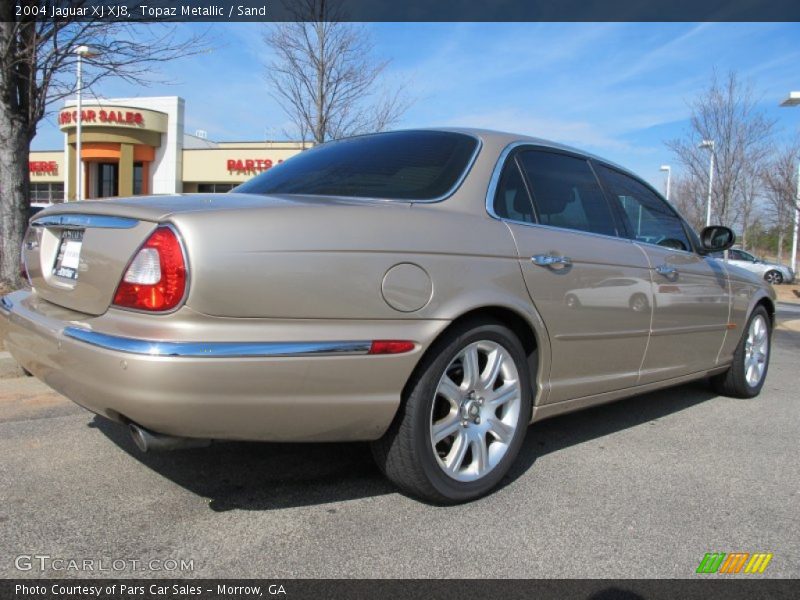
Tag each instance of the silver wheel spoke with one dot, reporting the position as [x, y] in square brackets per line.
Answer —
[501, 431]
[448, 389]
[457, 453]
[470, 365]
[492, 370]
[480, 454]
[446, 427]
[508, 392]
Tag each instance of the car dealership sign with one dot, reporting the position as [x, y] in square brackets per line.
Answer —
[256, 165]
[43, 167]
[90, 115]
[113, 116]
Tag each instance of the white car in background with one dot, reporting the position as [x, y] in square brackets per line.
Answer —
[771, 272]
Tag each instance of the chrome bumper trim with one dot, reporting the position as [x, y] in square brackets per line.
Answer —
[217, 349]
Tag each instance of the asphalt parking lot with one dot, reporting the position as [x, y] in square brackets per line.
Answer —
[641, 488]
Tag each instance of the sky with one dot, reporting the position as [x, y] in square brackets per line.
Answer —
[618, 90]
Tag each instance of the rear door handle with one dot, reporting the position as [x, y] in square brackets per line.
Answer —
[666, 270]
[547, 260]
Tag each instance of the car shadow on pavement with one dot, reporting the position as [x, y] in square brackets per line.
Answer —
[262, 476]
[268, 476]
[552, 435]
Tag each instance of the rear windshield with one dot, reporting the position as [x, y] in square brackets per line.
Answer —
[401, 165]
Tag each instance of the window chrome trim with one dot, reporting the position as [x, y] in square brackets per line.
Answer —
[216, 349]
[84, 221]
[467, 170]
[494, 181]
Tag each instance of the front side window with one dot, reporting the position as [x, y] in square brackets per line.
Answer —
[511, 201]
[745, 256]
[400, 165]
[648, 218]
[566, 193]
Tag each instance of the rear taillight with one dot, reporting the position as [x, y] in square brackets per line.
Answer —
[156, 278]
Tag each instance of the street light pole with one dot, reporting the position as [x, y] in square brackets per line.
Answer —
[793, 262]
[710, 145]
[669, 174]
[794, 100]
[82, 52]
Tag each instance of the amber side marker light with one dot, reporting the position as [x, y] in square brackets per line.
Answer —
[391, 347]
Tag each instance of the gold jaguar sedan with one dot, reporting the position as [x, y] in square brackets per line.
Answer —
[431, 291]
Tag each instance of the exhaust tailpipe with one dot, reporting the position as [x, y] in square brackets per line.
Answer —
[150, 441]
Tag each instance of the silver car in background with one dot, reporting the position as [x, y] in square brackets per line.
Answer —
[773, 273]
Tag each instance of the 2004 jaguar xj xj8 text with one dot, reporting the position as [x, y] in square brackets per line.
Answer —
[431, 291]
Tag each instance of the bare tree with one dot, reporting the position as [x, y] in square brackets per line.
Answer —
[749, 195]
[728, 114]
[37, 66]
[324, 75]
[780, 182]
[688, 196]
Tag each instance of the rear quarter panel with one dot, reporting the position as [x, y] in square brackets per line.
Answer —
[323, 262]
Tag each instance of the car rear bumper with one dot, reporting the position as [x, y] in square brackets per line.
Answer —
[272, 390]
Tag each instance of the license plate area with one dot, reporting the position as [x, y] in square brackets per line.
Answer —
[69, 254]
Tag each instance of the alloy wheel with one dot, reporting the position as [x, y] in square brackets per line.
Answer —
[475, 411]
[756, 351]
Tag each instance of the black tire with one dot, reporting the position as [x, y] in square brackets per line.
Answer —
[405, 453]
[773, 277]
[733, 382]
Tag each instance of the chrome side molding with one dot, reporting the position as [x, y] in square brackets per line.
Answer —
[217, 349]
[81, 221]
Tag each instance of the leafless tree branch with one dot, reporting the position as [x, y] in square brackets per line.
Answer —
[324, 76]
[37, 66]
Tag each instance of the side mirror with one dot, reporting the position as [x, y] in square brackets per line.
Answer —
[717, 238]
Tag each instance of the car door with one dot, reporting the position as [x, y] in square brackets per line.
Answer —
[747, 261]
[569, 249]
[691, 291]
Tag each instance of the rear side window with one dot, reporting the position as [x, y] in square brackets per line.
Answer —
[566, 193]
[511, 201]
[649, 218]
[400, 165]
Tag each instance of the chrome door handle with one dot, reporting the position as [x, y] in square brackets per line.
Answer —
[546, 260]
[666, 270]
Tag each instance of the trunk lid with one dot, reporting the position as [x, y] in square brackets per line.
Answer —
[77, 260]
[76, 253]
